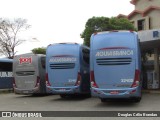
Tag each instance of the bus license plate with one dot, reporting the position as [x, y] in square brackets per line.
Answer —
[114, 92]
[62, 89]
[25, 92]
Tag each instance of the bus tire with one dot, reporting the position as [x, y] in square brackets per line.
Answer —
[88, 95]
[137, 100]
[103, 100]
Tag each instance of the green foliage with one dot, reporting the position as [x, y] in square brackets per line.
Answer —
[97, 24]
[39, 50]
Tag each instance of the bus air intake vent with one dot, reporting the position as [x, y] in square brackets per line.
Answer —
[25, 73]
[113, 61]
[62, 66]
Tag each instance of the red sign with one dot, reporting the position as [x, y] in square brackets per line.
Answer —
[25, 60]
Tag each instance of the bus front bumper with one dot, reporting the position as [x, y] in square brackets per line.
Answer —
[63, 90]
[116, 93]
[26, 91]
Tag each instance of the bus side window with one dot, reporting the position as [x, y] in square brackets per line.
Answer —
[5, 66]
[85, 53]
[43, 62]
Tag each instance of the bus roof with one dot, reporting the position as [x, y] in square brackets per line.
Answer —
[68, 44]
[119, 31]
[6, 60]
[31, 54]
[63, 43]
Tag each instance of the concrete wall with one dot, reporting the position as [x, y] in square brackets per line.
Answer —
[154, 19]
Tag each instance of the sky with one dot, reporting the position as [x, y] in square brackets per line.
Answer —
[56, 21]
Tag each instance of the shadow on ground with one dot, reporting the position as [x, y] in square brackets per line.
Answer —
[33, 95]
[118, 103]
[72, 98]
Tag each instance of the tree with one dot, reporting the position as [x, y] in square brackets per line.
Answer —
[9, 31]
[97, 24]
[39, 50]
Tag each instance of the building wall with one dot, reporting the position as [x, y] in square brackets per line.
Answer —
[134, 19]
[141, 5]
[152, 19]
[154, 16]
[148, 37]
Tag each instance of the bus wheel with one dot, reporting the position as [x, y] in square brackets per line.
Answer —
[103, 100]
[63, 96]
[88, 95]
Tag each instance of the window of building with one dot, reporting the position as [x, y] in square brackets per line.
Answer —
[141, 24]
[149, 23]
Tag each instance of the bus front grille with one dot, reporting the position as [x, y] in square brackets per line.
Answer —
[113, 61]
[25, 73]
[62, 66]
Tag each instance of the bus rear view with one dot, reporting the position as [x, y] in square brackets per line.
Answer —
[66, 71]
[115, 65]
[29, 74]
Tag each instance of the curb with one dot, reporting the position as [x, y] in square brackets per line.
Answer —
[6, 90]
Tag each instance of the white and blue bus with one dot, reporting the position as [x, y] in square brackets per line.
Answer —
[115, 65]
[67, 69]
[6, 75]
